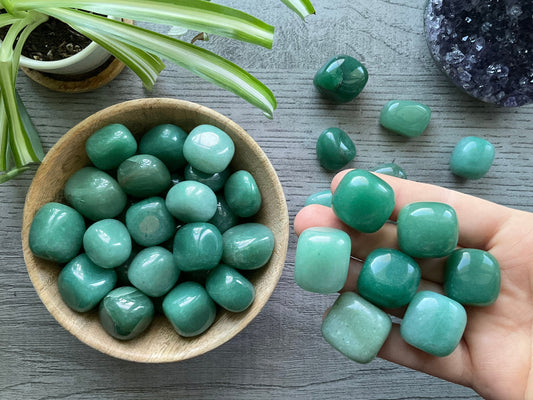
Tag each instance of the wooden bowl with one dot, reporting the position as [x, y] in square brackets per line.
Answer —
[160, 343]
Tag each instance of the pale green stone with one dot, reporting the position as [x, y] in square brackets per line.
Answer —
[323, 198]
[107, 243]
[472, 157]
[247, 246]
[197, 246]
[208, 149]
[408, 118]
[191, 201]
[149, 222]
[356, 328]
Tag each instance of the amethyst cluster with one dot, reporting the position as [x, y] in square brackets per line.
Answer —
[485, 47]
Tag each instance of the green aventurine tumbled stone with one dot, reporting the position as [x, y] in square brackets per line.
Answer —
[363, 201]
[433, 323]
[143, 175]
[388, 278]
[247, 246]
[408, 118]
[224, 217]
[153, 271]
[334, 149]
[107, 243]
[215, 181]
[95, 194]
[390, 169]
[126, 312]
[197, 245]
[472, 277]
[56, 232]
[356, 327]
[208, 149]
[427, 229]
[242, 194]
[191, 201]
[323, 197]
[472, 157]
[341, 78]
[166, 143]
[149, 222]
[229, 289]
[322, 259]
[189, 309]
[110, 145]
[82, 284]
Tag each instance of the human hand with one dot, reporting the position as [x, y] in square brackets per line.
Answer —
[495, 354]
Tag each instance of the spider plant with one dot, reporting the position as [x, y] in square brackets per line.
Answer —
[140, 49]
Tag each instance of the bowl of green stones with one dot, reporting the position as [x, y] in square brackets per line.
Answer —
[155, 230]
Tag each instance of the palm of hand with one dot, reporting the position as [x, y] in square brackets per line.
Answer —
[495, 354]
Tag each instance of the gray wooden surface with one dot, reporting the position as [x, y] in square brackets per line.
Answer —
[281, 354]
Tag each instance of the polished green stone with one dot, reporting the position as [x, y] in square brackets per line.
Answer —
[143, 175]
[242, 194]
[247, 246]
[56, 232]
[390, 169]
[197, 245]
[189, 309]
[433, 323]
[356, 328]
[95, 194]
[149, 222]
[334, 149]
[126, 312]
[191, 201]
[427, 229]
[122, 269]
[472, 157]
[406, 117]
[229, 289]
[215, 181]
[82, 284]
[107, 243]
[363, 201]
[472, 277]
[110, 145]
[208, 149]
[323, 198]
[322, 259]
[388, 278]
[341, 78]
[153, 271]
[224, 217]
[165, 142]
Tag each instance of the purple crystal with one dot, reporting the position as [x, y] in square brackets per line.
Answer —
[485, 47]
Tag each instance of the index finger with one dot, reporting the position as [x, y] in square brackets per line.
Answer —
[479, 220]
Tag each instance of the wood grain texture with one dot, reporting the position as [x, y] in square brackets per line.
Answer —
[281, 353]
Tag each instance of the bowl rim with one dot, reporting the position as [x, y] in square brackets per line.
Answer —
[122, 349]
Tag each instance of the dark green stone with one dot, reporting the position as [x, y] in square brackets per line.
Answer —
[189, 309]
[215, 181]
[334, 149]
[82, 284]
[56, 232]
[341, 78]
[390, 169]
[363, 201]
[427, 229]
[247, 246]
[197, 246]
[149, 222]
[153, 271]
[224, 217]
[143, 175]
[110, 145]
[472, 277]
[388, 278]
[242, 194]
[126, 312]
[191, 201]
[166, 143]
[229, 289]
[95, 194]
[107, 243]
